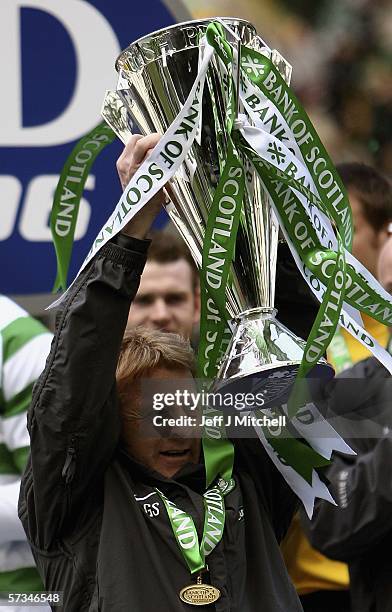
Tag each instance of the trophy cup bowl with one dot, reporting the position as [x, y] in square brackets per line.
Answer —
[156, 74]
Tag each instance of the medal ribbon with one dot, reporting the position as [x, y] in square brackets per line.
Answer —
[184, 529]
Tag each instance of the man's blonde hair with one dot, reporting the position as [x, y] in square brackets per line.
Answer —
[144, 349]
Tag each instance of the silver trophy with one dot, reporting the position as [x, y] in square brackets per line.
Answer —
[156, 74]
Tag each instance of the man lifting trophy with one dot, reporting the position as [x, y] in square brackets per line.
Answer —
[119, 521]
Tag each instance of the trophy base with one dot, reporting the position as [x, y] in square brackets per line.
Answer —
[264, 357]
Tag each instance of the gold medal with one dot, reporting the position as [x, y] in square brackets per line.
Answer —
[199, 594]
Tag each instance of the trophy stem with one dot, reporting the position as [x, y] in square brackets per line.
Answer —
[263, 356]
[256, 313]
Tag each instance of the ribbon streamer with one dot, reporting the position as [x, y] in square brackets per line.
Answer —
[68, 194]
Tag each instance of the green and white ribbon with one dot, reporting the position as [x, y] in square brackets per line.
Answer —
[322, 437]
[297, 461]
[274, 109]
[305, 240]
[318, 263]
[279, 157]
[261, 71]
[185, 531]
[218, 253]
[68, 194]
[221, 232]
[306, 490]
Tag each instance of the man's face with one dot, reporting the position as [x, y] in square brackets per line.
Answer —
[166, 455]
[166, 299]
[367, 241]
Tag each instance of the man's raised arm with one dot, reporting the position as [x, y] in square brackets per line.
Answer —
[73, 419]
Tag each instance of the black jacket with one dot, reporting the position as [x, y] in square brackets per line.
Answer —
[98, 531]
[359, 530]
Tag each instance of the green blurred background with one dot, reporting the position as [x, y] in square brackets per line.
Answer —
[341, 53]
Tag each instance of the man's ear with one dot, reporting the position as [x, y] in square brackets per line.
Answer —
[196, 301]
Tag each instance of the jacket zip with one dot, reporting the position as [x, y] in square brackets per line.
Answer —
[70, 463]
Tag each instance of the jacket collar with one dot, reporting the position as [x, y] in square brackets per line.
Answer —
[191, 475]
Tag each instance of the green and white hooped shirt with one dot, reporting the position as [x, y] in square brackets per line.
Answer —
[24, 346]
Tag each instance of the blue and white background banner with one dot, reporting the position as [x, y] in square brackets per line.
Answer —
[57, 60]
